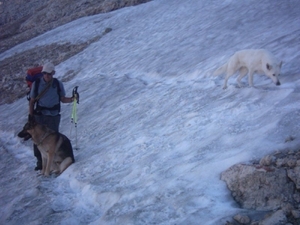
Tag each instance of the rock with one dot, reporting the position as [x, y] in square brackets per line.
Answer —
[287, 208]
[242, 219]
[297, 197]
[253, 187]
[281, 162]
[296, 214]
[292, 162]
[107, 30]
[293, 174]
[267, 160]
[289, 139]
[273, 184]
[277, 218]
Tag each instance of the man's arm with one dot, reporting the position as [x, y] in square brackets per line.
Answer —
[66, 99]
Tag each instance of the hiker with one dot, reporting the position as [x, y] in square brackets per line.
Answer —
[45, 95]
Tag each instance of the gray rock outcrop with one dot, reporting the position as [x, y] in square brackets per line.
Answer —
[271, 185]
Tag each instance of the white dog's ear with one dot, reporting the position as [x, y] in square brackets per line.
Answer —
[280, 64]
[269, 67]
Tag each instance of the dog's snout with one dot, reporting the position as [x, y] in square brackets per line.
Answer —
[278, 83]
[22, 134]
[25, 135]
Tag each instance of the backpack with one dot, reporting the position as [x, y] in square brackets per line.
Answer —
[32, 75]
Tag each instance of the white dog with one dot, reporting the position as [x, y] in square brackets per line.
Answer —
[251, 61]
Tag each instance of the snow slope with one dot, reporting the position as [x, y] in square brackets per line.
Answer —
[155, 128]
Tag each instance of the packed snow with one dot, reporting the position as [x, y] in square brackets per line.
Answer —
[155, 128]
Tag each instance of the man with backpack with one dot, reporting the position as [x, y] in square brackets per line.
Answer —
[44, 104]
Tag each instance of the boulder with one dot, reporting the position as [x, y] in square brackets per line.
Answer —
[269, 187]
[277, 218]
[260, 188]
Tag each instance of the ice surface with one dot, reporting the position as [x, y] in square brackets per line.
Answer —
[155, 129]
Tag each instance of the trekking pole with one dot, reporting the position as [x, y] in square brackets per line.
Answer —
[74, 112]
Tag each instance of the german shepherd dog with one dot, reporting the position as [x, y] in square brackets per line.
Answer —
[55, 148]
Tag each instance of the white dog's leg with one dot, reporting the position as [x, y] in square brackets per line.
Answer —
[231, 69]
[228, 74]
[225, 82]
[250, 78]
[243, 72]
[226, 79]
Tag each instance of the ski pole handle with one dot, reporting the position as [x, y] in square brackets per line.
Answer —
[76, 94]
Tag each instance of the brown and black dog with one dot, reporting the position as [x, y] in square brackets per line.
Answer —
[56, 149]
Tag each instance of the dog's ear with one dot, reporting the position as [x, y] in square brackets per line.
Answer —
[269, 67]
[280, 64]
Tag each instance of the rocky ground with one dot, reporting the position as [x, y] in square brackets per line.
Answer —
[268, 190]
[22, 20]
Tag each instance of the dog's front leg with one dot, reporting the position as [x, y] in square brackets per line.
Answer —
[229, 73]
[225, 82]
[250, 78]
[44, 163]
[49, 163]
[243, 72]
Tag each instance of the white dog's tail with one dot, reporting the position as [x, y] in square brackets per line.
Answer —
[220, 70]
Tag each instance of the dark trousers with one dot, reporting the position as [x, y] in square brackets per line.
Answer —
[50, 121]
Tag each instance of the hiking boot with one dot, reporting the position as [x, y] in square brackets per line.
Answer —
[38, 166]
